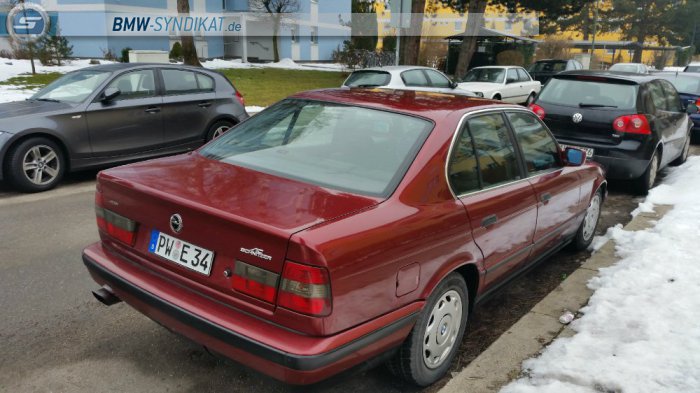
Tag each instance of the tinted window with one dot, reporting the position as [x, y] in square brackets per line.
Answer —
[657, 96]
[548, 66]
[136, 84]
[494, 149]
[414, 78]
[437, 79]
[523, 75]
[462, 169]
[342, 147]
[205, 83]
[179, 82]
[513, 75]
[559, 92]
[684, 84]
[673, 101]
[539, 148]
[368, 78]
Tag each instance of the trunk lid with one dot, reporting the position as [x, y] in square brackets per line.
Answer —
[239, 214]
[596, 125]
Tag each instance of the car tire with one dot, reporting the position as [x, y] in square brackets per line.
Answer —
[684, 153]
[427, 353]
[217, 129]
[644, 183]
[36, 164]
[497, 97]
[530, 99]
[586, 232]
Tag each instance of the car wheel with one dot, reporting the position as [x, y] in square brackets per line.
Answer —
[36, 164]
[530, 99]
[684, 154]
[218, 129]
[645, 182]
[584, 235]
[497, 97]
[426, 354]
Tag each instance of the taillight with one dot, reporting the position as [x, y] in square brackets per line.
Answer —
[632, 124]
[254, 281]
[538, 110]
[240, 98]
[697, 102]
[305, 289]
[116, 226]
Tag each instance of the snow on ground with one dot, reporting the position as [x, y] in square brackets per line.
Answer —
[287, 64]
[640, 331]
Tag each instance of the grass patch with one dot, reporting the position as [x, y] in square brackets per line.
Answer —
[265, 86]
[28, 81]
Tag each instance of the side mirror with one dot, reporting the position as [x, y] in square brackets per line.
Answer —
[109, 94]
[453, 85]
[511, 80]
[692, 109]
[574, 157]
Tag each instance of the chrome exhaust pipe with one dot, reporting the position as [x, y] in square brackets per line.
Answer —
[106, 296]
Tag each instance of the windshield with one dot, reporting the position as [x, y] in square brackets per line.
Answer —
[491, 75]
[342, 147]
[368, 78]
[589, 93]
[548, 66]
[684, 84]
[73, 87]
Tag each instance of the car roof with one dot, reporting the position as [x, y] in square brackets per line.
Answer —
[396, 68]
[111, 67]
[611, 75]
[430, 105]
[552, 61]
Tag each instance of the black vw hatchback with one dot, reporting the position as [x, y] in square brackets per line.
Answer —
[632, 124]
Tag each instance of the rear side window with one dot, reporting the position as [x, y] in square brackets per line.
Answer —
[184, 82]
[673, 101]
[657, 96]
[368, 78]
[494, 150]
[462, 169]
[205, 83]
[522, 74]
[414, 78]
[559, 92]
[539, 148]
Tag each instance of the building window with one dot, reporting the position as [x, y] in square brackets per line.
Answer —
[294, 34]
[509, 25]
[458, 25]
[314, 35]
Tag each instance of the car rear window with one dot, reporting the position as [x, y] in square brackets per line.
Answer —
[548, 66]
[684, 84]
[368, 78]
[342, 147]
[575, 93]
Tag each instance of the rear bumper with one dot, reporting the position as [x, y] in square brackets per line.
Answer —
[622, 168]
[625, 161]
[239, 336]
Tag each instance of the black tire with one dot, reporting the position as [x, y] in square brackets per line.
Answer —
[644, 183]
[409, 361]
[497, 97]
[586, 232]
[684, 153]
[215, 130]
[40, 153]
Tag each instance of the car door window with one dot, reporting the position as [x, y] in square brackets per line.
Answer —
[512, 76]
[204, 83]
[673, 101]
[135, 84]
[437, 79]
[540, 151]
[657, 96]
[523, 76]
[414, 78]
[179, 82]
[462, 169]
[494, 150]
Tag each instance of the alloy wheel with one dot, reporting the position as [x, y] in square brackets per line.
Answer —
[220, 131]
[442, 329]
[591, 220]
[653, 168]
[41, 164]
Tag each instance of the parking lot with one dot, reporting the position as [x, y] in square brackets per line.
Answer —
[57, 337]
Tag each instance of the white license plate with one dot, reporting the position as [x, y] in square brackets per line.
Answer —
[588, 150]
[181, 252]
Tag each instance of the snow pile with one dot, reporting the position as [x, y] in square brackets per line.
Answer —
[640, 331]
[286, 64]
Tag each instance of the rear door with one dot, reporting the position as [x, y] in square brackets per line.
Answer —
[187, 105]
[485, 174]
[678, 120]
[557, 187]
[130, 123]
[438, 81]
[416, 80]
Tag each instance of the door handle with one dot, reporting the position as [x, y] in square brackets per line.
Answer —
[152, 109]
[546, 197]
[489, 220]
[205, 104]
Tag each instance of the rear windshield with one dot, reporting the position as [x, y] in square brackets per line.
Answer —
[577, 93]
[548, 66]
[368, 78]
[684, 84]
[347, 148]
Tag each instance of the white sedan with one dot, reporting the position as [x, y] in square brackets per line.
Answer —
[507, 83]
[405, 78]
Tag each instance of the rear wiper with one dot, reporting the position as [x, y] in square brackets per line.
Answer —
[582, 105]
[47, 99]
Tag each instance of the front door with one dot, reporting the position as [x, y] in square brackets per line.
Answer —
[485, 174]
[130, 123]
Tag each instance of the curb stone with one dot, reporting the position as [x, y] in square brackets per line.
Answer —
[501, 362]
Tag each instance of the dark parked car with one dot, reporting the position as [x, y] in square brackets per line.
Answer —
[340, 225]
[113, 113]
[688, 86]
[543, 70]
[632, 124]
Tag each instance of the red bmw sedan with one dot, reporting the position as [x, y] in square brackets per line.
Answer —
[338, 226]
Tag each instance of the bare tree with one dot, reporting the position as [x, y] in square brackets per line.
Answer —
[276, 9]
[189, 52]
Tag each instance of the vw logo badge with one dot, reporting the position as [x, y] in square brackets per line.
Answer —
[176, 223]
[577, 118]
